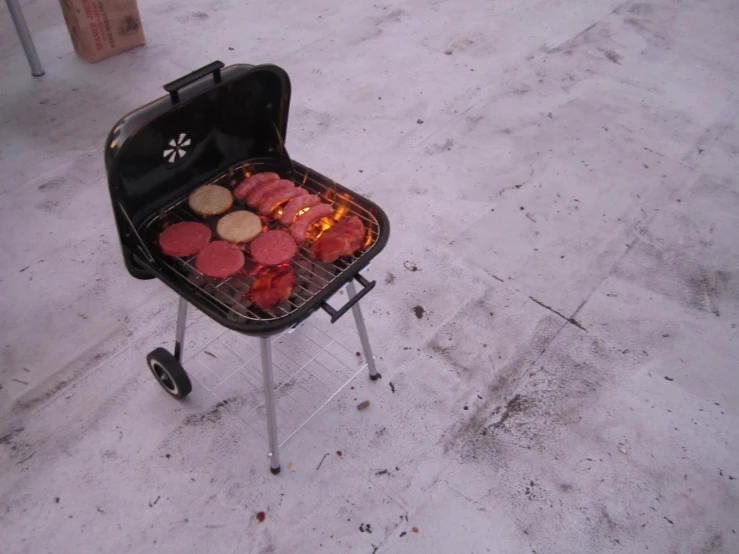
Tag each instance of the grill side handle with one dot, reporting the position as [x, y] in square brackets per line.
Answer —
[174, 87]
[336, 314]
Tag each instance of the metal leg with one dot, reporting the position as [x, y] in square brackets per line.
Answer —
[269, 404]
[24, 35]
[357, 311]
[179, 345]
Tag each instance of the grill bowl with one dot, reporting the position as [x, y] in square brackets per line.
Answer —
[316, 281]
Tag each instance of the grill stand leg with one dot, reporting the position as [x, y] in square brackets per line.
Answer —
[24, 35]
[179, 345]
[357, 311]
[269, 403]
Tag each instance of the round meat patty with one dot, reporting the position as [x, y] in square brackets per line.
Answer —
[344, 238]
[219, 259]
[184, 239]
[273, 248]
[239, 226]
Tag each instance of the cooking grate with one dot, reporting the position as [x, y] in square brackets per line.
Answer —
[312, 276]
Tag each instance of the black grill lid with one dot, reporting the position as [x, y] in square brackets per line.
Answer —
[212, 119]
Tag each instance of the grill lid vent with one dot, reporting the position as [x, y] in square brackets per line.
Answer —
[177, 148]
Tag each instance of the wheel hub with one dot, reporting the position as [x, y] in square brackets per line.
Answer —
[163, 376]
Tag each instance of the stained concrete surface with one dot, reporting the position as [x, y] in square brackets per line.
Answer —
[562, 184]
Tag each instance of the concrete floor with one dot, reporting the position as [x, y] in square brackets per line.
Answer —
[562, 184]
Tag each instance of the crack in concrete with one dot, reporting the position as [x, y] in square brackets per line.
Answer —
[571, 320]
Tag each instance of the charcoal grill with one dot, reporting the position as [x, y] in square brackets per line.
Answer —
[218, 125]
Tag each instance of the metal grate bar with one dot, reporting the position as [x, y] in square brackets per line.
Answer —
[291, 377]
[309, 365]
[329, 399]
[318, 354]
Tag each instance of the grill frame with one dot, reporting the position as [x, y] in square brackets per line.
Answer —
[216, 119]
[222, 117]
[166, 269]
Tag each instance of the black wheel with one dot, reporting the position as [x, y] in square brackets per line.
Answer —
[169, 373]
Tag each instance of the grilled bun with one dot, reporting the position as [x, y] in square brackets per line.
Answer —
[210, 200]
[239, 226]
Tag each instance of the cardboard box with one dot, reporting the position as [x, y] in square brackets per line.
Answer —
[103, 28]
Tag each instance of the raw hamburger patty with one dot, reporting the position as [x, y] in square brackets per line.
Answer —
[280, 195]
[239, 226]
[343, 239]
[248, 184]
[273, 248]
[295, 205]
[184, 239]
[259, 192]
[219, 259]
[210, 200]
[300, 227]
[272, 286]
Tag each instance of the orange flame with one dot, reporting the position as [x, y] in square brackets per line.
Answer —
[340, 211]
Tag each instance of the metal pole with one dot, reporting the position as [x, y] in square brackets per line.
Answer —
[24, 35]
[179, 345]
[269, 404]
[363, 336]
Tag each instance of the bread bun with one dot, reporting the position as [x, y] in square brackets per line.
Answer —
[211, 200]
[239, 226]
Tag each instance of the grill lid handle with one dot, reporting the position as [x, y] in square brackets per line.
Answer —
[174, 87]
[336, 314]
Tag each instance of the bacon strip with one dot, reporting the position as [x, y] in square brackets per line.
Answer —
[344, 238]
[272, 286]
